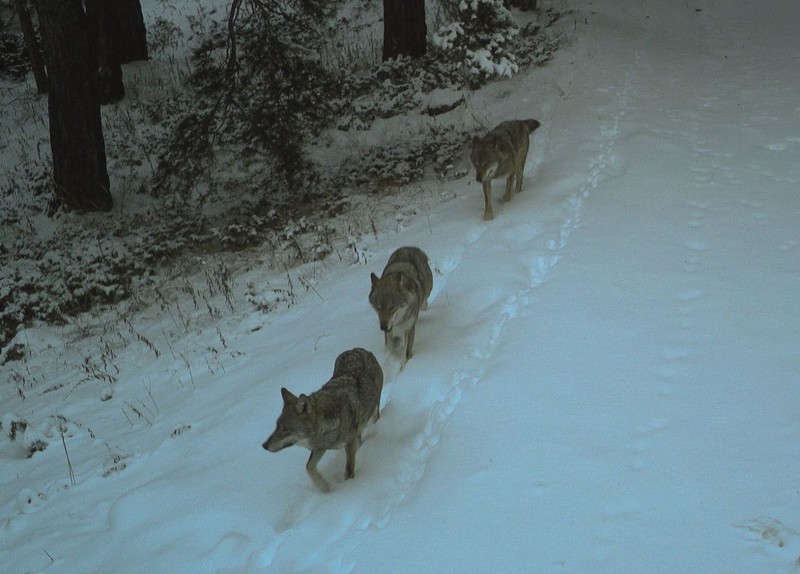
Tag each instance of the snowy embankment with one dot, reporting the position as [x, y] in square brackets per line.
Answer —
[607, 378]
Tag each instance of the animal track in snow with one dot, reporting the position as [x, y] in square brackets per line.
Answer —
[784, 145]
[602, 165]
[690, 295]
[696, 245]
[541, 267]
[755, 209]
[29, 500]
[645, 441]
[768, 531]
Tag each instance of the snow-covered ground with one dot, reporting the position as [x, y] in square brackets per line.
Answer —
[607, 379]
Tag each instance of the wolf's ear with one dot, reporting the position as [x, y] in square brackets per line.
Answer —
[374, 279]
[303, 405]
[288, 397]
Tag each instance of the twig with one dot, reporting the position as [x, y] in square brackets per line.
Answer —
[169, 344]
[66, 452]
[139, 413]
[150, 394]
[130, 422]
[188, 366]
[308, 285]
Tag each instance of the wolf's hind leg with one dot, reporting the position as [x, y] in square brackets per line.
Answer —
[311, 468]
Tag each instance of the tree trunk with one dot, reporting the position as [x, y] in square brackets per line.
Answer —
[404, 28]
[31, 42]
[101, 18]
[130, 31]
[76, 132]
[117, 36]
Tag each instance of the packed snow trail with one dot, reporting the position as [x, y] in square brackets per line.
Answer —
[628, 465]
[466, 320]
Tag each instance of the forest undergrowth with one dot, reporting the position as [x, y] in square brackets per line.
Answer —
[290, 150]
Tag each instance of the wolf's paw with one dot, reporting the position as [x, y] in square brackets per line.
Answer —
[322, 484]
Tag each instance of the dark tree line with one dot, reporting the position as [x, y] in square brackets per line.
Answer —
[83, 47]
[85, 42]
[76, 133]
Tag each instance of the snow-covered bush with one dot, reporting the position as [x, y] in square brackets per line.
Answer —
[219, 160]
[481, 40]
[401, 161]
[260, 92]
[397, 86]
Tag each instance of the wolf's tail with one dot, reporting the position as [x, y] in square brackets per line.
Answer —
[532, 125]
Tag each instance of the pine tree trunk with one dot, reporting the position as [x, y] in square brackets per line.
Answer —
[404, 28]
[76, 133]
[130, 31]
[102, 30]
[117, 36]
[32, 44]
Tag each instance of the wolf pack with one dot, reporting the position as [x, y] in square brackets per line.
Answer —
[335, 416]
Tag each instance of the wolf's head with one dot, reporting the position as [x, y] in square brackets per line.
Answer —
[295, 424]
[485, 159]
[390, 298]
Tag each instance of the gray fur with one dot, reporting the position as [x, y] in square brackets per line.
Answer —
[398, 296]
[502, 153]
[334, 416]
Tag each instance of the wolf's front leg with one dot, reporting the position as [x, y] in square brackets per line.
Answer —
[350, 451]
[509, 187]
[410, 342]
[396, 342]
[487, 201]
[311, 468]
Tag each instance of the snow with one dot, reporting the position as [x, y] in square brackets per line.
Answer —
[606, 380]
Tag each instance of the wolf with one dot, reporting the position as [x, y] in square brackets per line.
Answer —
[334, 416]
[398, 296]
[501, 153]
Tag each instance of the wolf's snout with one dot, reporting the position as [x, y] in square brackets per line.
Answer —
[271, 445]
[384, 327]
